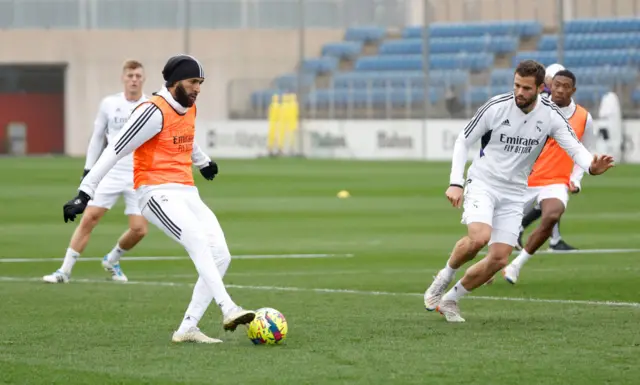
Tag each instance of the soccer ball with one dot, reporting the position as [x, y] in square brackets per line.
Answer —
[268, 328]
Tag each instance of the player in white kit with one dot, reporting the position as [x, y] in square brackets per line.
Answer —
[513, 129]
[113, 113]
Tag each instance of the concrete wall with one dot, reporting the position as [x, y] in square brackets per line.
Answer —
[545, 11]
[94, 61]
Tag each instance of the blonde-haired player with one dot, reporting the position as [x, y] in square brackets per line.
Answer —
[160, 133]
[113, 113]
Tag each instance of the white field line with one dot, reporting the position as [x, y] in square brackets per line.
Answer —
[321, 273]
[294, 256]
[348, 291]
[176, 258]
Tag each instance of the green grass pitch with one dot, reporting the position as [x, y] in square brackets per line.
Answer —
[356, 317]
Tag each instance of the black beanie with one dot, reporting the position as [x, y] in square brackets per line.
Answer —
[181, 67]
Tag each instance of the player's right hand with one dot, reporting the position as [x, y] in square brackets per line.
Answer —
[84, 173]
[454, 195]
[600, 164]
[75, 206]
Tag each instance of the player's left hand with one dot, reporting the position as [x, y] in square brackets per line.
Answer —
[600, 164]
[574, 188]
[209, 171]
[75, 206]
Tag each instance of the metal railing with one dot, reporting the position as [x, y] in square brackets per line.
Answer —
[372, 101]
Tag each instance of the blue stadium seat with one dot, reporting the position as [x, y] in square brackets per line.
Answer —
[325, 64]
[475, 62]
[591, 41]
[583, 58]
[635, 96]
[502, 77]
[590, 94]
[480, 94]
[493, 44]
[605, 75]
[365, 34]
[262, 99]
[289, 82]
[398, 79]
[342, 49]
[602, 25]
[376, 97]
[513, 28]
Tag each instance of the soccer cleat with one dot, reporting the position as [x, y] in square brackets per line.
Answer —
[194, 335]
[434, 293]
[450, 311]
[561, 246]
[237, 316]
[115, 270]
[510, 273]
[58, 276]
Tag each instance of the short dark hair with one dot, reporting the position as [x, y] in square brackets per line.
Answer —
[568, 74]
[531, 68]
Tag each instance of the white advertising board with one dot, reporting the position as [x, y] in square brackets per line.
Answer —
[233, 139]
[432, 140]
[442, 135]
[365, 140]
[631, 141]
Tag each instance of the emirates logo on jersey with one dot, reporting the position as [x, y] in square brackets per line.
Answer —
[518, 144]
[519, 140]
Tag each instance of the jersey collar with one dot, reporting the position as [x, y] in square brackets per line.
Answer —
[569, 110]
[164, 92]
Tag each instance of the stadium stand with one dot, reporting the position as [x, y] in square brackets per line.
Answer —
[379, 69]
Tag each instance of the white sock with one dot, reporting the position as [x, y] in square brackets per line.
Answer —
[455, 293]
[69, 260]
[448, 272]
[187, 323]
[521, 259]
[210, 280]
[202, 297]
[115, 254]
[555, 235]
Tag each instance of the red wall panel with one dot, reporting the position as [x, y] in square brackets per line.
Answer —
[44, 116]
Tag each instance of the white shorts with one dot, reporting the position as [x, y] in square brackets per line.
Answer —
[502, 210]
[109, 190]
[535, 195]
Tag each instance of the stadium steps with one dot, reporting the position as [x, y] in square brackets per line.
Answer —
[530, 44]
[503, 61]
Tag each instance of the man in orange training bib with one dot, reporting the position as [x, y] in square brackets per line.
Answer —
[554, 174]
[160, 133]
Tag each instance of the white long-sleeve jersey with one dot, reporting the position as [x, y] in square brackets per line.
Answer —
[588, 140]
[113, 113]
[511, 141]
[145, 123]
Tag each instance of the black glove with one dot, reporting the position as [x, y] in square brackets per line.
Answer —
[209, 171]
[75, 206]
[84, 173]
